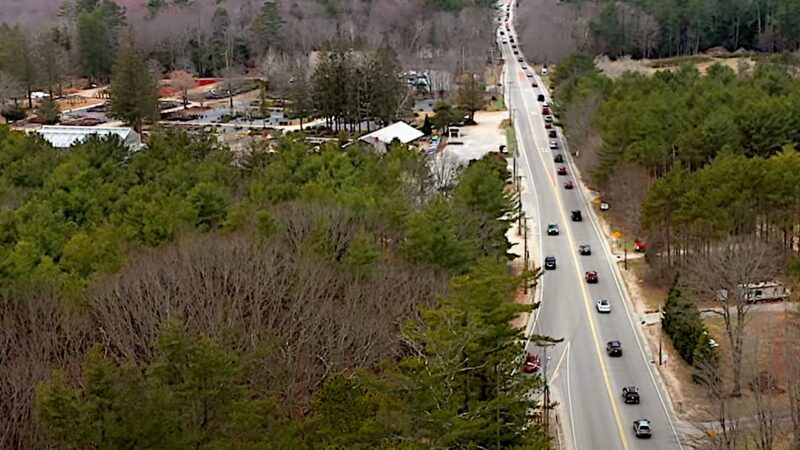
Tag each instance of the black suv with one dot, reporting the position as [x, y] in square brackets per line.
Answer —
[585, 250]
[550, 263]
[540, 98]
[559, 158]
[614, 348]
[630, 394]
[576, 216]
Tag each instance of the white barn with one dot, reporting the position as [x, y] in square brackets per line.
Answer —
[62, 136]
[400, 131]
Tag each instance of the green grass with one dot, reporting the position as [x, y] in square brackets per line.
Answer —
[496, 105]
[677, 61]
[511, 138]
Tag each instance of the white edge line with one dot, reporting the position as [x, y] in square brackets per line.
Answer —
[623, 294]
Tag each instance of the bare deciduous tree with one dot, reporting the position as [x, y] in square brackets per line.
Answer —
[723, 273]
[182, 81]
[724, 431]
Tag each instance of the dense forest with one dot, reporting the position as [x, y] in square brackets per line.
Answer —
[662, 28]
[228, 39]
[296, 298]
[691, 158]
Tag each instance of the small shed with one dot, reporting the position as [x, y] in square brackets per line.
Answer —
[400, 131]
[63, 136]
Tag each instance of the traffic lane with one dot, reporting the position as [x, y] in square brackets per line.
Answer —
[563, 299]
[634, 367]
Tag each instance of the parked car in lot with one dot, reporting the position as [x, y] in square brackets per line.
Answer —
[630, 394]
[550, 263]
[576, 216]
[552, 229]
[585, 250]
[641, 428]
[569, 185]
[614, 348]
[603, 306]
[591, 277]
[559, 158]
[562, 170]
[544, 71]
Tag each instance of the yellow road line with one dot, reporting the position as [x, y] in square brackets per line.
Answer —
[584, 291]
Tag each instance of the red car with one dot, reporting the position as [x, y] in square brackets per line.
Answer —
[545, 110]
[532, 364]
[548, 125]
[568, 185]
[639, 246]
[562, 170]
[591, 276]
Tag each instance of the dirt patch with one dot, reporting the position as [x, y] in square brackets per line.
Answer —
[615, 69]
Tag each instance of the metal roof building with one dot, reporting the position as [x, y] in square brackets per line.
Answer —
[400, 131]
[62, 136]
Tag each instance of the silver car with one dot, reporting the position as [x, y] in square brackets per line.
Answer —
[553, 145]
[603, 306]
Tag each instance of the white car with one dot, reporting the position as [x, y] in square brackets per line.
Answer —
[544, 71]
[603, 306]
[553, 145]
[545, 104]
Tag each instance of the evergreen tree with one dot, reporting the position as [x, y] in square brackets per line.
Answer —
[48, 111]
[267, 27]
[384, 88]
[681, 321]
[134, 89]
[471, 95]
[427, 127]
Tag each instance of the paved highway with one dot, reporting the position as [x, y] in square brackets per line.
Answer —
[586, 382]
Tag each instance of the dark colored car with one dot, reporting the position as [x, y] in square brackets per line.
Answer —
[591, 277]
[545, 110]
[562, 170]
[552, 134]
[585, 250]
[548, 125]
[576, 216]
[540, 98]
[552, 229]
[630, 394]
[642, 429]
[550, 263]
[534, 84]
[569, 185]
[519, 59]
[559, 158]
[614, 348]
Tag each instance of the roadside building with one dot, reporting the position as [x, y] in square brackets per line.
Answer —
[398, 131]
[62, 136]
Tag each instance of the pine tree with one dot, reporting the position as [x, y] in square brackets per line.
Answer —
[267, 26]
[681, 321]
[134, 90]
[471, 94]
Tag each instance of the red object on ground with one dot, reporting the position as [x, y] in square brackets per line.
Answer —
[532, 363]
[639, 246]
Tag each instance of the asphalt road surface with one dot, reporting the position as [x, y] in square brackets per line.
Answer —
[586, 382]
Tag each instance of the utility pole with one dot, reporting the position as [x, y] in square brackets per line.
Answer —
[519, 205]
[625, 252]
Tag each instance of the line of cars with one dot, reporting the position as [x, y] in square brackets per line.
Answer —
[630, 394]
